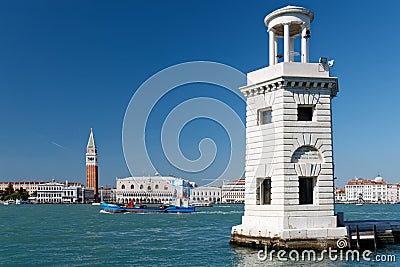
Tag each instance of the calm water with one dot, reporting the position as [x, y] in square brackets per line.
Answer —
[78, 235]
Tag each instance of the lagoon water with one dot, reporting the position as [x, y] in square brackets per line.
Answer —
[79, 235]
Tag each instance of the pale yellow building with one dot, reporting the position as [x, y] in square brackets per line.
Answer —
[30, 187]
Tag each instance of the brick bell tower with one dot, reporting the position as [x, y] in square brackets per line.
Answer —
[92, 174]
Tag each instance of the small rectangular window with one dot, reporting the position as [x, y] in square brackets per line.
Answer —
[266, 196]
[305, 113]
[306, 190]
[265, 116]
[258, 191]
[263, 195]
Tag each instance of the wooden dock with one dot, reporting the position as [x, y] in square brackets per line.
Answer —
[372, 234]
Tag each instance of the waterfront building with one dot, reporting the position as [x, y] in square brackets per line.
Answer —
[398, 193]
[289, 198]
[369, 191]
[206, 194]
[153, 189]
[340, 195]
[92, 175]
[107, 195]
[233, 191]
[88, 195]
[30, 187]
[392, 193]
[63, 192]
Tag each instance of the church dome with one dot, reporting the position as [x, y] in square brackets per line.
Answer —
[378, 178]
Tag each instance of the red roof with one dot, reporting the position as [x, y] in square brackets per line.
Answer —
[361, 181]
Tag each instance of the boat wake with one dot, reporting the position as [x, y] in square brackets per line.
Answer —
[103, 211]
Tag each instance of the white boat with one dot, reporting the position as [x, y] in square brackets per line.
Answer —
[359, 204]
[96, 204]
[10, 201]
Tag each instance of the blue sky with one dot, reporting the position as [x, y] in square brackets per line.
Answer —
[66, 66]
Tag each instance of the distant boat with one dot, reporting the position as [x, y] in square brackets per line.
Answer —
[10, 201]
[96, 204]
[115, 208]
[360, 201]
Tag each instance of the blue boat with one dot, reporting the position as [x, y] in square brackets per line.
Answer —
[114, 208]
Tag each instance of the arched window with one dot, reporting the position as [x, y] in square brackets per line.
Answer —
[307, 154]
[141, 186]
[132, 186]
[123, 186]
[156, 186]
[149, 187]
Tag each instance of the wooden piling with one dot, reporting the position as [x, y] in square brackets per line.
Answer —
[349, 235]
[358, 237]
[375, 237]
[373, 233]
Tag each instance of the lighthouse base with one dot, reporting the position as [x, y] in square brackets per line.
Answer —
[317, 238]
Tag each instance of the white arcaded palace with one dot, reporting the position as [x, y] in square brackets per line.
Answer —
[151, 189]
[289, 200]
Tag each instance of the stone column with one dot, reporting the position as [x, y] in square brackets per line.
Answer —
[272, 51]
[304, 44]
[276, 50]
[286, 42]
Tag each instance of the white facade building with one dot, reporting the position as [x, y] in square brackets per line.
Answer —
[71, 194]
[154, 189]
[398, 193]
[50, 193]
[340, 195]
[392, 194]
[55, 192]
[107, 195]
[233, 191]
[289, 194]
[371, 191]
[210, 194]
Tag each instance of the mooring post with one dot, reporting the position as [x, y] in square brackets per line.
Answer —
[358, 237]
[375, 238]
[349, 235]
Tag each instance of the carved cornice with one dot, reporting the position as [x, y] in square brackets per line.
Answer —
[291, 83]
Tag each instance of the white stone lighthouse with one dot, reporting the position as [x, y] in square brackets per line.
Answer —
[289, 198]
